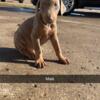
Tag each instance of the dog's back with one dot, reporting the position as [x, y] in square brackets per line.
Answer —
[22, 35]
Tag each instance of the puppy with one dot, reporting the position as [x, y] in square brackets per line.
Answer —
[35, 31]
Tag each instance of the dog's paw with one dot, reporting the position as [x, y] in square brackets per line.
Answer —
[63, 60]
[40, 63]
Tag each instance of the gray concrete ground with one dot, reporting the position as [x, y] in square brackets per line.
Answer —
[79, 37]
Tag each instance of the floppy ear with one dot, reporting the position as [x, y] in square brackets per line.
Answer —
[38, 5]
[62, 7]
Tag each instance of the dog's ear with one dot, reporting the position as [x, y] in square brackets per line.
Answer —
[62, 7]
[38, 6]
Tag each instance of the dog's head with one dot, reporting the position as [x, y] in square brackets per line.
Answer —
[49, 10]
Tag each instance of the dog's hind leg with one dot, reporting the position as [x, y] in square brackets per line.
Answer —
[30, 53]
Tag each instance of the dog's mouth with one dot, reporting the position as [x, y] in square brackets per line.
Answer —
[48, 21]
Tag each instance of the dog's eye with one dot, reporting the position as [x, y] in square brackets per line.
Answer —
[56, 6]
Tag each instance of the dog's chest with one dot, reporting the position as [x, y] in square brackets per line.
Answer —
[49, 31]
[46, 33]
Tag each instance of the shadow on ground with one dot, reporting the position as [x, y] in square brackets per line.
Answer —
[15, 9]
[84, 14]
[11, 55]
[73, 14]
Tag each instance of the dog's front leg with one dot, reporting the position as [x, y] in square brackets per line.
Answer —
[38, 52]
[56, 46]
